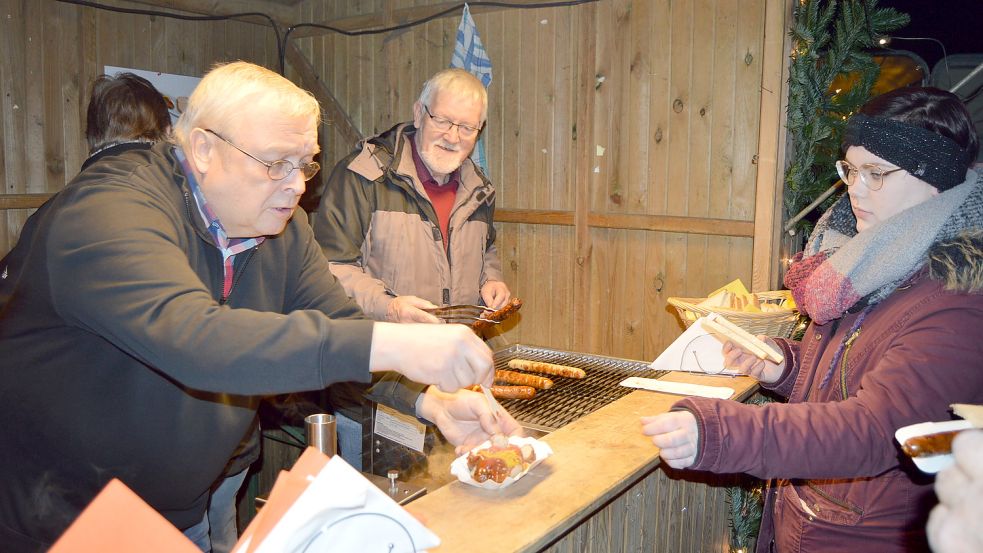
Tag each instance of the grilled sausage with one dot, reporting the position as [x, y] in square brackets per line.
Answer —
[547, 368]
[930, 444]
[504, 313]
[510, 377]
[513, 392]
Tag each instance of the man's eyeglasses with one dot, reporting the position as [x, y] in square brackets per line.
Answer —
[444, 125]
[870, 174]
[279, 169]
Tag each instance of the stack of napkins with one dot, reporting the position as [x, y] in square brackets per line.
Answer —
[321, 505]
[696, 350]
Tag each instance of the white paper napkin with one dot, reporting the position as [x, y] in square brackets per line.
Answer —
[459, 467]
[696, 350]
[341, 511]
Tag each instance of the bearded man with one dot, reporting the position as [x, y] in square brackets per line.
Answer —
[405, 221]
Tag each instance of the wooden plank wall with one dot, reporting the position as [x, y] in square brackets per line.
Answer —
[51, 53]
[620, 113]
[623, 134]
[660, 513]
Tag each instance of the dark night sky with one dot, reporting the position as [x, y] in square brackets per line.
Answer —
[958, 24]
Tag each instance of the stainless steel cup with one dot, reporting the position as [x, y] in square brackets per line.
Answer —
[322, 433]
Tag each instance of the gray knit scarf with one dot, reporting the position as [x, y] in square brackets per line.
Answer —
[841, 267]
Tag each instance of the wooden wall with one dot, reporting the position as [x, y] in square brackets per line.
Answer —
[51, 53]
[625, 136]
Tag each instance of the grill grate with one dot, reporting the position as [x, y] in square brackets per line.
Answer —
[569, 399]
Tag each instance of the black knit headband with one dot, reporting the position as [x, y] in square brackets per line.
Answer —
[931, 157]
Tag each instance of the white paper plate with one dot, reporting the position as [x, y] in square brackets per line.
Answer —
[459, 467]
[935, 463]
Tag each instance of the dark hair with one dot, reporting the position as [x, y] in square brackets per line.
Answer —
[125, 107]
[932, 109]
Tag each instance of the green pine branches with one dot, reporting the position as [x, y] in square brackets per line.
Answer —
[829, 38]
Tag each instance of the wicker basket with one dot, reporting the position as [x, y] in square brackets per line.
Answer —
[772, 323]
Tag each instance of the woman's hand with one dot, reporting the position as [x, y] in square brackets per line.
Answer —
[676, 434]
[762, 370]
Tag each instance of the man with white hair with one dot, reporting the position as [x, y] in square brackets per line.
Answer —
[163, 292]
[406, 220]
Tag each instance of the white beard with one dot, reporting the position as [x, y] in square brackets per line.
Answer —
[443, 162]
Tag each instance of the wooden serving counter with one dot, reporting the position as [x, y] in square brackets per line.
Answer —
[601, 490]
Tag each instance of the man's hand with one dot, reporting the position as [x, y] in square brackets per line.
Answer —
[954, 524]
[495, 294]
[762, 370]
[449, 356]
[676, 434]
[464, 417]
[408, 309]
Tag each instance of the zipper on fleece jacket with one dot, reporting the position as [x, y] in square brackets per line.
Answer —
[236, 272]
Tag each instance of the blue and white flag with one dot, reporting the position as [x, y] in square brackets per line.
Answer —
[469, 54]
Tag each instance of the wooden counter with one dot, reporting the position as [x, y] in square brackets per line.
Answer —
[602, 490]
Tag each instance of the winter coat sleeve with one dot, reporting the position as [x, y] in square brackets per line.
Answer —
[141, 293]
[341, 225]
[925, 367]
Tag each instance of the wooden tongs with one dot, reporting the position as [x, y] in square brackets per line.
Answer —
[717, 324]
[461, 313]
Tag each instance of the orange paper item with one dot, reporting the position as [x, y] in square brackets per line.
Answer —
[288, 487]
[118, 521]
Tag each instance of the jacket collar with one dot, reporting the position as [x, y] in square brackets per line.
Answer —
[389, 153]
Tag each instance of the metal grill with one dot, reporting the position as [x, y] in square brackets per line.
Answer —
[569, 399]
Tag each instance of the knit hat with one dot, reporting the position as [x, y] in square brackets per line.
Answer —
[932, 157]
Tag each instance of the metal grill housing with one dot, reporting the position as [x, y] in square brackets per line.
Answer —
[569, 398]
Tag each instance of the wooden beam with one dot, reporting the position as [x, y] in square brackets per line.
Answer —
[585, 23]
[770, 182]
[660, 223]
[334, 113]
[379, 20]
[283, 15]
[23, 201]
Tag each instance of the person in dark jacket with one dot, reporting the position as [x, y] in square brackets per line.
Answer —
[125, 111]
[164, 292]
[892, 278]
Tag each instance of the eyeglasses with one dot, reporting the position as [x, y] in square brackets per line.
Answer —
[279, 169]
[444, 125]
[870, 174]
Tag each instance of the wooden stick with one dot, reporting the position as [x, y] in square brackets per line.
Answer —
[715, 322]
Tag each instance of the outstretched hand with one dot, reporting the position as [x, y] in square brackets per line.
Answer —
[449, 356]
[742, 361]
[409, 309]
[495, 294]
[464, 417]
[676, 434]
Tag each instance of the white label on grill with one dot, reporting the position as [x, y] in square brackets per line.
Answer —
[678, 388]
[402, 429]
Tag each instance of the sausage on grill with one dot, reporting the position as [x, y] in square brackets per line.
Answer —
[547, 368]
[513, 392]
[510, 377]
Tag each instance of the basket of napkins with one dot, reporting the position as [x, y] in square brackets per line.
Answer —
[771, 313]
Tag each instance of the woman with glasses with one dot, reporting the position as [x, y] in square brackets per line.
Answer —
[892, 279]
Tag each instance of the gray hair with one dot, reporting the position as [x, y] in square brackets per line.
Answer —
[228, 88]
[459, 82]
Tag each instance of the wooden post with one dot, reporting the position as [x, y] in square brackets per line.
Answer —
[770, 182]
